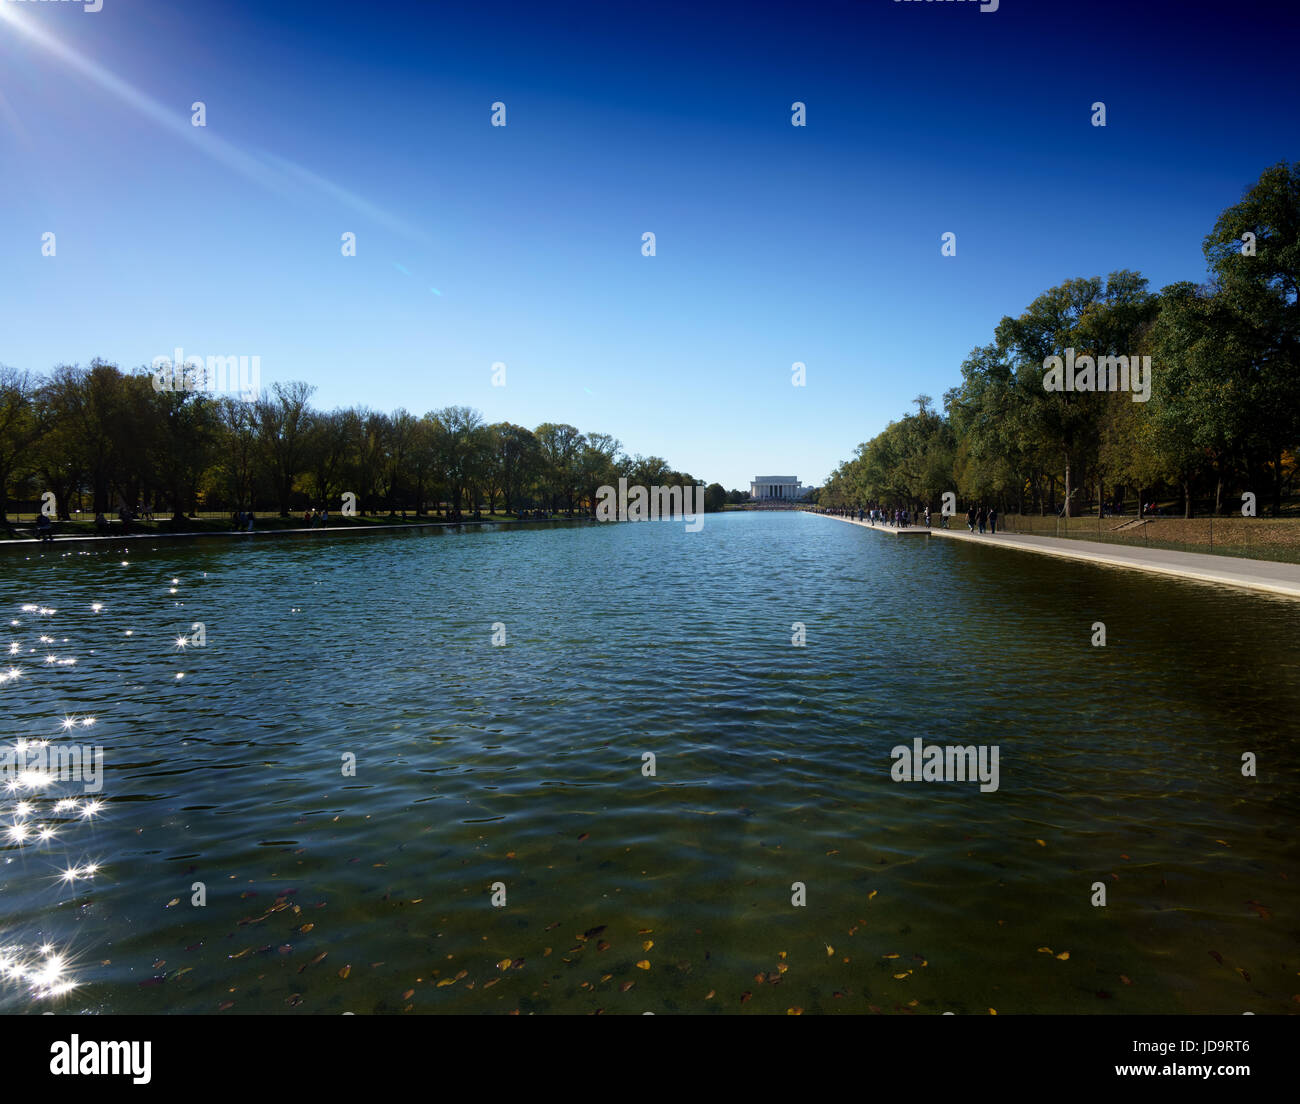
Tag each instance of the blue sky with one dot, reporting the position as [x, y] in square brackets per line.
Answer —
[775, 244]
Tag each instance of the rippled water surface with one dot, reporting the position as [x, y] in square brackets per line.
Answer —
[523, 765]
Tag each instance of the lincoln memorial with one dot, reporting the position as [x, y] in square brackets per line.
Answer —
[769, 488]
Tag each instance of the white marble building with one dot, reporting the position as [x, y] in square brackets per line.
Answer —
[776, 488]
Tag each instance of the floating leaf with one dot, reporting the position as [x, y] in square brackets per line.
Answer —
[647, 944]
[1064, 956]
[345, 971]
[644, 964]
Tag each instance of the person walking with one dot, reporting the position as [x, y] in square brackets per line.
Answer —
[970, 519]
[993, 519]
[981, 517]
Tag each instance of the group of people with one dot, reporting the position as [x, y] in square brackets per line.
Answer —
[977, 517]
[316, 518]
[899, 518]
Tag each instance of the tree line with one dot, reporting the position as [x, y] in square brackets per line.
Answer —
[1223, 416]
[114, 440]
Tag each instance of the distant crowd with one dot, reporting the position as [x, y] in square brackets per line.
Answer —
[978, 518]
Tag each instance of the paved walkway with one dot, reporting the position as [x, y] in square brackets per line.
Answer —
[893, 531]
[1264, 575]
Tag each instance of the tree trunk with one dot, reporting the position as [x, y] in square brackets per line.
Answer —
[1277, 483]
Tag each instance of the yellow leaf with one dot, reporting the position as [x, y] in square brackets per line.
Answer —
[1063, 955]
[644, 964]
[1044, 950]
[889, 956]
[899, 977]
[993, 1011]
[872, 894]
[647, 944]
[781, 967]
[1040, 843]
[829, 950]
[794, 1011]
[504, 964]
[780, 954]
